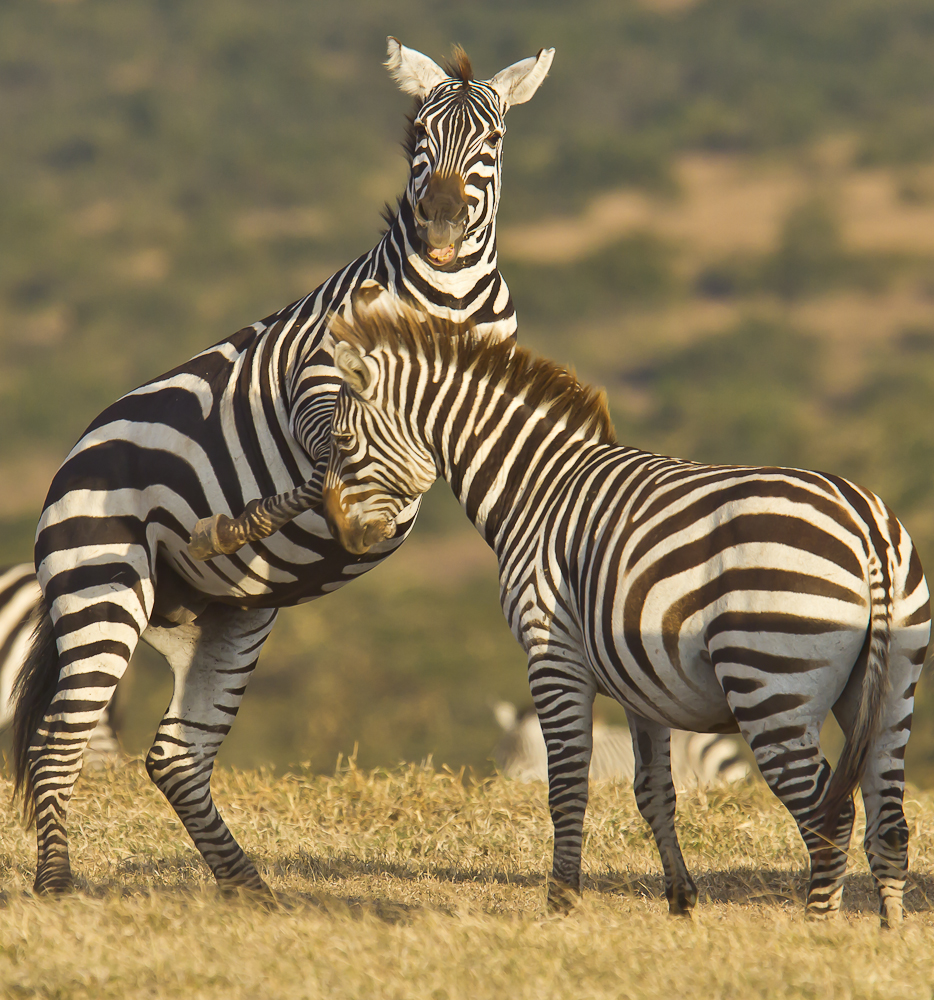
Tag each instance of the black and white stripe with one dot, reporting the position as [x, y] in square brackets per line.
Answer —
[246, 418]
[706, 598]
[20, 596]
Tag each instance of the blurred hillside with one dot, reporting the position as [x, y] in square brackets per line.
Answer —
[723, 211]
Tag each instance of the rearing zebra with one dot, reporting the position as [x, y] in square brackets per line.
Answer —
[706, 598]
[246, 418]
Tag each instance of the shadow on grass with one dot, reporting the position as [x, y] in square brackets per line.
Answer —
[345, 866]
[186, 878]
[769, 886]
[743, 885]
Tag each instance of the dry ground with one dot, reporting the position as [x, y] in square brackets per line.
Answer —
[420, 884]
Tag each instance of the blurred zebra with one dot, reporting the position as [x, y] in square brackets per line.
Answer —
[698, 760]
[701, 597]
[120, 552]
[19, 598]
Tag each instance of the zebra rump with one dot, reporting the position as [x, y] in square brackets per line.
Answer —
[698, 760]
[22, 616]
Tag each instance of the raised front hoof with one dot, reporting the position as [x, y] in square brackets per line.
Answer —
[562, 897]
[681, 901]
[205, 540]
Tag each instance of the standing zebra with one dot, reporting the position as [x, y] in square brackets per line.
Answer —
[246, 418]
[19, 598]
[701, 597]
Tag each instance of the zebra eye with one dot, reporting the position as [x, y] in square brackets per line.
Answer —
[342, 439]
[495, 137]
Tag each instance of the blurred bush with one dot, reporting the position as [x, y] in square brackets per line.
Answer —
[171, 172]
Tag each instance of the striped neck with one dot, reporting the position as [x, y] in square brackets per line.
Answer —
[501, 456]
[447, 294]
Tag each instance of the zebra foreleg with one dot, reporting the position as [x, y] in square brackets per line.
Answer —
[656, 799]
[212, 659]
[564, 703]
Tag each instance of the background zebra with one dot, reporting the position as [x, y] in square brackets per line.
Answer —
[698, 760]
[19, 598]
[244, 419]
[700, 597]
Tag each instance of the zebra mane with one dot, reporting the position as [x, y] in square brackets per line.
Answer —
[408, 144]
[458, 66]
[540, 383]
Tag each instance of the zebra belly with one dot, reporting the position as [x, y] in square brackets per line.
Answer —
[298, 564]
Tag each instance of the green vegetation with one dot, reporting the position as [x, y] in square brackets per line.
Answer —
[171, 171]
[416, 883]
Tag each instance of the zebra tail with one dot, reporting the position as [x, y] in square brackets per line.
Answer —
[852, 763]
[33, 693]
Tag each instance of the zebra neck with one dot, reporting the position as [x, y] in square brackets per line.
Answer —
[504, 462]
[474, 290]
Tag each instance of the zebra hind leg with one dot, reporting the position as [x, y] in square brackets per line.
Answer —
[212, 659]
[656, 799]
[883, 781]
[62, 696]
[799, 775]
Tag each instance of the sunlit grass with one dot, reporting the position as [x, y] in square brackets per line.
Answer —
[419, 883]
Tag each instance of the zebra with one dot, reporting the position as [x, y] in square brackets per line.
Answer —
[20, 595]
[247, 417]
[698, 760]
[701, 597]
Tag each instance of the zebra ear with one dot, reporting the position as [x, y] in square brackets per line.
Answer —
[517, 83]
[415, 73]
[353, 367]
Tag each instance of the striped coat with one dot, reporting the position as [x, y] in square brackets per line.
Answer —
[244, 419]
[20, 597]
[705, 598]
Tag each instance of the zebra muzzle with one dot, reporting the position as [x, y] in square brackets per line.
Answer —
[354, 534]
[441, 219]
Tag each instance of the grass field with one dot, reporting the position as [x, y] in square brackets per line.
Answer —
[424, 884]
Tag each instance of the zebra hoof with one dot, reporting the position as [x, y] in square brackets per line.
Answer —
[255, 895]
[562, 897]
[51, 884]
[681, 901]
[891, 921]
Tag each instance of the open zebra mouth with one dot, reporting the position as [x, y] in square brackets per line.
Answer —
[442, 256]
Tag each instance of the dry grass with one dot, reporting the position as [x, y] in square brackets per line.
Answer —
[419, 884]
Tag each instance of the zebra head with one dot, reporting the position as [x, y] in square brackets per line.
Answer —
[379, 461]
[456, 148]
